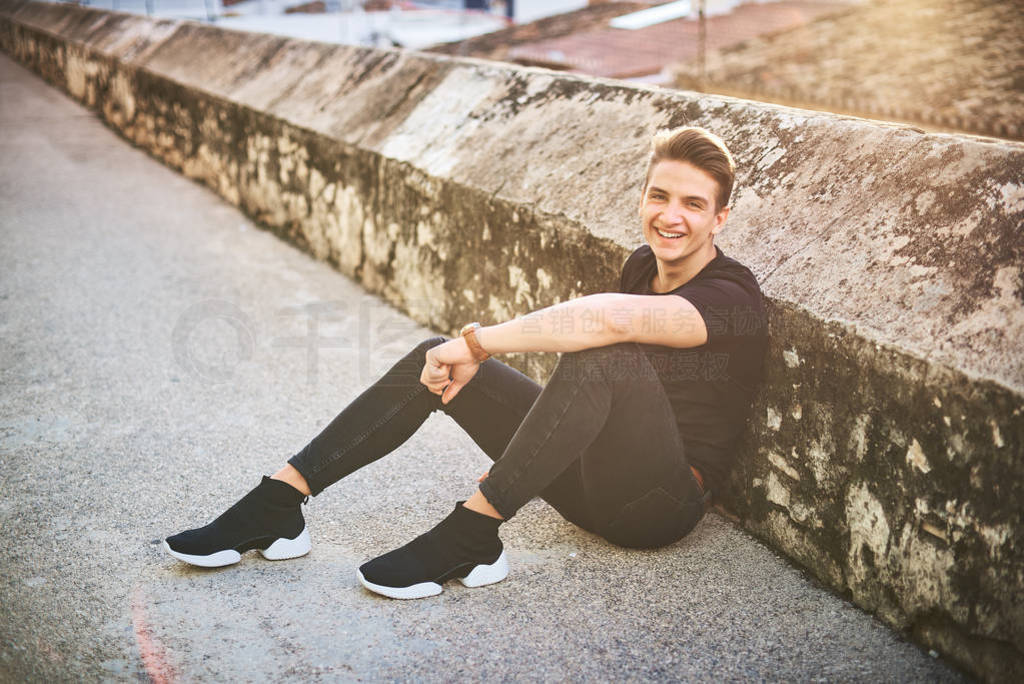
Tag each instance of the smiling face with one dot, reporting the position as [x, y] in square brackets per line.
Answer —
[680, 216]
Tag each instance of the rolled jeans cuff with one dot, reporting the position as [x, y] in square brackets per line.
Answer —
[494, 498]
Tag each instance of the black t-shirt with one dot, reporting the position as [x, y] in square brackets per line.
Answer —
[710, 386]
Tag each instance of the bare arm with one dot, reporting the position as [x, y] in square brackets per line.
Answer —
[597, 321]
[592, 321]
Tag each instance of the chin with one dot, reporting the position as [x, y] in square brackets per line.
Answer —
[670, 252]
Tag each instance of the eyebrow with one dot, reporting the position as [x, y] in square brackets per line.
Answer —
[705, 200]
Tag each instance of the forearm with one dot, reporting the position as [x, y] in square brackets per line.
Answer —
[580, 323]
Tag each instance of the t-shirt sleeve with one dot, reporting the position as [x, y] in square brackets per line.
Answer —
[730, 308]
[628, 276]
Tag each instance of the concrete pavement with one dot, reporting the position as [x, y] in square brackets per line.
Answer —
[157, 358]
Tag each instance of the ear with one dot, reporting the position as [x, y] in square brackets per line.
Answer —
[720, 218]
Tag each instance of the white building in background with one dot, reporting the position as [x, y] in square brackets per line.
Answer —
[431, 22]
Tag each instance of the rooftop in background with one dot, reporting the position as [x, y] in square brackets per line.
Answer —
[585, 42]
[679, 9]
[413, 28]
[410, 24]
[953, 65]
[497, 44]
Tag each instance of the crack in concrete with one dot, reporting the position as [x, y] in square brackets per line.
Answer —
[287, 92]
[405, 96]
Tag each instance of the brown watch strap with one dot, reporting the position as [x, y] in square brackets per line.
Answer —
[469, 332]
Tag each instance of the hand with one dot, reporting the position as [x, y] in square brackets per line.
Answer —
[462, 373]
[483, 477]
[435, 375]
[447, 368]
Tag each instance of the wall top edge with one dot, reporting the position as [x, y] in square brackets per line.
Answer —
[913, 238]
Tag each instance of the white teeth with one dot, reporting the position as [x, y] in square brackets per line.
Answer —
[671, 236]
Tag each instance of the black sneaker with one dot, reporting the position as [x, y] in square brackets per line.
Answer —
[268, 518]
[463, 546]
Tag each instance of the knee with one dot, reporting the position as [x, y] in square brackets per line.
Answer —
[612, 351]
[426, 344]
[614, 360]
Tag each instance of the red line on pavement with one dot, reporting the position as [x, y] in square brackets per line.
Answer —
[154, 658]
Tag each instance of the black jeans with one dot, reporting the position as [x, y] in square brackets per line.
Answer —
[599, 442]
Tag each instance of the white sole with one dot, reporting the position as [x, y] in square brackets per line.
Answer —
[482, 575]
[281, 549]
[479, 576]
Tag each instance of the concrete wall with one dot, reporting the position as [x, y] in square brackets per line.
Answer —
[885, 453]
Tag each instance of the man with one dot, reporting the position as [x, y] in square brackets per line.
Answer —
[637, 425]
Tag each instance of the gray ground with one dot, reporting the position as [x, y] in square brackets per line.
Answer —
[155, 360]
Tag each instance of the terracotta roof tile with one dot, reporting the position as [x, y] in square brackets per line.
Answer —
[622, 53]
[495, 45]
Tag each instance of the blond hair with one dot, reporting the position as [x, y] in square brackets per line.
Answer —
[700, 148]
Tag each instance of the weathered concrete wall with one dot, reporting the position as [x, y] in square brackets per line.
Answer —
[885, 454]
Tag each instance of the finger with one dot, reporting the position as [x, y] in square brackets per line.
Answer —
[432, 376]
[483, 477]
[453, 389]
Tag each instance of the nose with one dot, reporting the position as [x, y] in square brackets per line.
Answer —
[674, 213]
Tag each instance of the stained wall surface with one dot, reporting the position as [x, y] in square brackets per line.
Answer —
[885, 449]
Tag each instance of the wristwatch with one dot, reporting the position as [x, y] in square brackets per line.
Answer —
[469, 332]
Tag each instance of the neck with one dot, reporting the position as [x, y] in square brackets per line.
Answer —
[673, 275]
